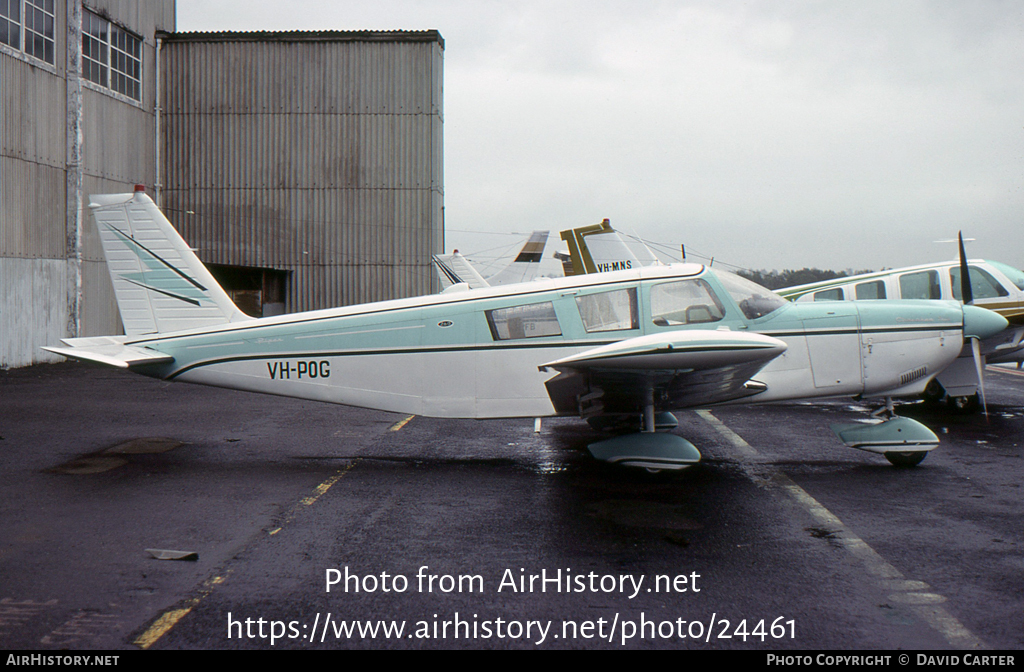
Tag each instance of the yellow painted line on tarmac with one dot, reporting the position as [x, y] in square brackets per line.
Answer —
[325, 486]
[169, 619]
[160, 628]
[913, 594]
[401, 423]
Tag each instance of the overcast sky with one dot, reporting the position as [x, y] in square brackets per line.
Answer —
[767, 134]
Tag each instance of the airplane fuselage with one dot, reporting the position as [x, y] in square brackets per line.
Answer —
[477, 353]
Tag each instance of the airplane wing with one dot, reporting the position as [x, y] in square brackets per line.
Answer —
[678, 369]
[109, 350]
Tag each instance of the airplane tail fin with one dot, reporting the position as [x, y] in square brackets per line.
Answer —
[526, 265]
[454, 269]
[604, 251]
[159, 283]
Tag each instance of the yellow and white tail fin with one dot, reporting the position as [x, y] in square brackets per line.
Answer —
[160, 284]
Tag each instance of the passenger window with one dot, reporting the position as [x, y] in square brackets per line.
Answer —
[684, 302]
[530, 321]
[983, 285]
[609, 311]
[923, 285]
[829, 295]
[867, 291]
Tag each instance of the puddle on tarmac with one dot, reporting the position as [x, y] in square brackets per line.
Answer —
[109, 458]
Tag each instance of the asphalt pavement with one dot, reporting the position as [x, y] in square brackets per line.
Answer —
[304, 525]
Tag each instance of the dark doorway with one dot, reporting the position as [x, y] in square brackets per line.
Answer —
[258, 292]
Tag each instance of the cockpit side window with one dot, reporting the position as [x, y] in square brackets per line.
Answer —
[983, 285]
[684, 302]
[1015, 276]
[921, 285]
[533, 320]
[609, 311]
[754, 300]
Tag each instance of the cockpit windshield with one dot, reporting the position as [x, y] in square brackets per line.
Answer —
[754, 300]
[1015, 276]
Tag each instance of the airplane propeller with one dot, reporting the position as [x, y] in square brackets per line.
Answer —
[967, 292]
[965, 273]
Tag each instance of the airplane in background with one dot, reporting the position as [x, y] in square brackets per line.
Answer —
[600, 248]
[455, 270]
[991, 284]
[624, 346]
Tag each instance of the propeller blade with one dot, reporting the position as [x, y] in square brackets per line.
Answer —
[965, 274]
[979, 366]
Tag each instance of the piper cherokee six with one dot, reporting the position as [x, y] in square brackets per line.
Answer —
[625, 347]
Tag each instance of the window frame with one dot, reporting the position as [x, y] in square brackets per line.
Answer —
[39, 45]
[114, 54]
[661, 319]
[634, 310]
[975, 272]
[837, 294]
[879, 296]
[934, 285]
[499, 318]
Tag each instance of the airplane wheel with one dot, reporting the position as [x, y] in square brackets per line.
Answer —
[906, 459]
[933, 392]
[965, 405]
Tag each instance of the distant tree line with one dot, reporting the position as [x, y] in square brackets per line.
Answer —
[791, 278]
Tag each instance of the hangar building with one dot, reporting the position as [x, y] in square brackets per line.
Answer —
[304, 167]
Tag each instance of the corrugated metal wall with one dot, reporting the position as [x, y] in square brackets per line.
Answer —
[317, 154]
[39, 273]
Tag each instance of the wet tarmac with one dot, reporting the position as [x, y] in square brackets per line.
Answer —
[487, 534]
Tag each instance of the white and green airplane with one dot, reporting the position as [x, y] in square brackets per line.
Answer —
[990, 284]
[628, 345]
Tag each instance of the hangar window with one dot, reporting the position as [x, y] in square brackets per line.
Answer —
[111, 56]
[983, 285]
[867, 291]
[609, 311]
[923, 285]
[29, 25]
[684, 302]
[534, 320]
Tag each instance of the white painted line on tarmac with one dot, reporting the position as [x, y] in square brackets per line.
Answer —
[901, 590]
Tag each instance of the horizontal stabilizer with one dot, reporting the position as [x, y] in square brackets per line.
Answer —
[111, 351]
